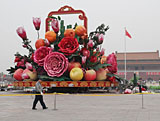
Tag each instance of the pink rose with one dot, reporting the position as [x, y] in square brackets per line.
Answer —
[40, 54]
[111, 59]
[55, 64]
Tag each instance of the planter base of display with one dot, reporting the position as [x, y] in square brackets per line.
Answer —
[66, 84]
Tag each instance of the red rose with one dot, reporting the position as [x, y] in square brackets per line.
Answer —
[68, 45]
[93, 59]
[21, 63]
[112, 79]
[32, 57]
[85, 52]
[17, 59]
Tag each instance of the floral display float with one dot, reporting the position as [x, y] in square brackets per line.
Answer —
[66, 55]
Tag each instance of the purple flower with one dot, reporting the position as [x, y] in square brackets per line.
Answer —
[22, 33]
[37, 23]
[55, 64]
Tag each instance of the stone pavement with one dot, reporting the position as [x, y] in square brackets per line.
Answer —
[88, 107]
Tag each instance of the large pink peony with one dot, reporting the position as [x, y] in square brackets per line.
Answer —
[40, 54]
[55, 64]
[111, 59]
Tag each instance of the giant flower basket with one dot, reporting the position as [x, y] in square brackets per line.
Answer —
[67, 56]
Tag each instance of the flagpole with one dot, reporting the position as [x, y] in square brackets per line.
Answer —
[125, 72]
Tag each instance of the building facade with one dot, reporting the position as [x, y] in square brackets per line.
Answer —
[145, 64]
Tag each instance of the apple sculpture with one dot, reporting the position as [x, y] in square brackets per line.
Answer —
[32, 74]
[101, 74]
[18, 74]
[90, 75]
[76, 74]
[73, 65]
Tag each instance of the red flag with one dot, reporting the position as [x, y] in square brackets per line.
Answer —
[127, 34]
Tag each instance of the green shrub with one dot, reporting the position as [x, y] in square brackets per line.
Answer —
[154, 87]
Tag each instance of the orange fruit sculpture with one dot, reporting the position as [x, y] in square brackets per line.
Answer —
[103, 59]
[39, 43]
[80, 30]
[50, 36]
[69, 33]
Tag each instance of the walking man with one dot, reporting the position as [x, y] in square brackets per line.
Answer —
[39, 97]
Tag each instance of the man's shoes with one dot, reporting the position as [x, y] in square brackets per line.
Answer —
[34, 108]
[45, 108]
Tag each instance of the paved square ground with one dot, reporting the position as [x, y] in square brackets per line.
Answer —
[82, 107]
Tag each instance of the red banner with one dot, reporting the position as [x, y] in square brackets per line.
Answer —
[66, 83]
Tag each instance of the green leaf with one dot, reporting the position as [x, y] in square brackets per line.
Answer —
[11, 70]
[98, 66]
[62, 28]
[62, 23]
[46, 78]
[116, 76]
[91, 52]
[49, 21]
[52, 17]
[97, 52]
[69, 26]
[59, 18]
[110, 74]
[106, 28]
[75, 26]
[78, 38]
[73, 55]
[17, 54]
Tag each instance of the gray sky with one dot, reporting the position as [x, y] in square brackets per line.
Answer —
[140, 17]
